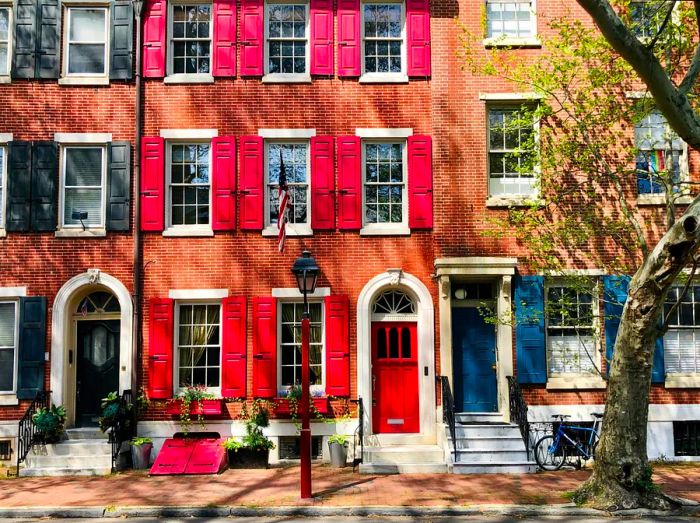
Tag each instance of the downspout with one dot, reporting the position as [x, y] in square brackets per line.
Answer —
[136, 336]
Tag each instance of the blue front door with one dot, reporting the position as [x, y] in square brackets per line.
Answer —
[474, 361]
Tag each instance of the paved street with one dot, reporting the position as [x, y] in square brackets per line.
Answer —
[378, 519]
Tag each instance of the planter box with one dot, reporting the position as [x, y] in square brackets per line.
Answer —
[322, 405]
[208, 408]
[244, 458]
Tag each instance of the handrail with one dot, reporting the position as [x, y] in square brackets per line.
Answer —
[518, 411]
[359, 434]
[122, 428]
[27, 434]
[448, 412]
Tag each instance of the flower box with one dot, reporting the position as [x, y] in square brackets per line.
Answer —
[283, 409]
[208, 407]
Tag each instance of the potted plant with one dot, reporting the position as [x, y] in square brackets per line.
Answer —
[194, 401]
[288, 400]
[253, 451]
[141, 452]
[49, 423]
[338, 447]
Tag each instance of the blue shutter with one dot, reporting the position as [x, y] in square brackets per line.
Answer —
[19, 163]
[32, 345]
[529, 330]
[119, 183]
[24, 48]
[122, 18]
[44, 181]
[658, 369]
[48, 40]
[615, 289]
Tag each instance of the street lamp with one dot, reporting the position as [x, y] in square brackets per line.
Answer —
[306, 272]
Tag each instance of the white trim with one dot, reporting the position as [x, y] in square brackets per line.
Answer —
[3, 185]
[501, 201]
[62, 325]
[198, 229]
[575, 272]
[293, 229]
[501, 41]
[385, 229]
[292, 134]
[374, 77]
[68, 78]
[83, 80]
[575, 382]
[476, 266]
[79, 138]
[293, 293]
[10, 23]
[383, 132]
[509, 97]
[638, 95]
[383, 78]
[170, 44]
[67, 230]
[184, 78]
[15, 349]
[5, 137]
[426, 346]
[279, 78]
[9, 399]
[533, 22]
[287, 77]
[681, 381]
[13, 292]
[183, 231]
[197, 294]
[189, 134]
[99, 232]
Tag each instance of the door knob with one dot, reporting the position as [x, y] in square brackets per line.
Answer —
[493, 367]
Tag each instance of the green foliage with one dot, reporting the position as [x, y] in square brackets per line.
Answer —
[49, 423]
[231, 444]
[258, 418]
[188, 396]
[138, 441]
[340, 439]
[645, 483]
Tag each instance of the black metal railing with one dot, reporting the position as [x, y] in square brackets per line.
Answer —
[518, 411]
[448, 412]
[359, 434]
[27, 433]
[123, 426]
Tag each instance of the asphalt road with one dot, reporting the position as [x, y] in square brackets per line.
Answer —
[377, 519]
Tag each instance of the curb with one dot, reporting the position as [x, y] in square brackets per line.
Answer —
[320, 512]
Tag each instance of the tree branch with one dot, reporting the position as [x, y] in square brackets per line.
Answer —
[661, 29]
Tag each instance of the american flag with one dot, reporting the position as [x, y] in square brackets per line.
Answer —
[84, 308]
[283, 199]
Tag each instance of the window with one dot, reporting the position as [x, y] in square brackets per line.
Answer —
[686, 438]
[293, 160]
[660, 151]
[5, 24]
[682, 340]
[646, 17]
[290, 344]
[3, 184]
[199, 345]
[86, 44]
[5, 450]
[384, 176]
[290, 447]
[83, 187]
[383, 35]
[286, 27]
[189, 192]
[190, 43]
[8, 345]
[510, 19]
[511, 157]
[571, 340]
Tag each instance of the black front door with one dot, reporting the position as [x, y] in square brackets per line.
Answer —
[98, 367]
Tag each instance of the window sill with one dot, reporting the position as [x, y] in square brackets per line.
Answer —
[680, 381]
[3, 232]
[79, 233]
[385, 230]
[660, 199]
[277, 78]
[576, 382]
[84, 80]
[189, 79]
[292, 230]
[504, 41]
[384, 78]
[176, 232]
[9, 399]
[513, 201]
[5, 79]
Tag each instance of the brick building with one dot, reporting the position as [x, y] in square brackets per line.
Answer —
[382, 137]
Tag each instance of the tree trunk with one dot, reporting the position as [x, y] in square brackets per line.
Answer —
[622, 477]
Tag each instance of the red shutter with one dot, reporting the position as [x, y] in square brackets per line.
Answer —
[152, 183]
[250, 182]
[233, 348]
[349, 182]
[224, 55]
[252, 37]
[349, 45]
[337, 346]
[321, 12]
[223, 183]
[154, 23]
[160, 349]
[322, 183]
[264, 347]
[418, 36]
[420, 182]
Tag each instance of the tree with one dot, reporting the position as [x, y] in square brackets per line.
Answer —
[590, 89]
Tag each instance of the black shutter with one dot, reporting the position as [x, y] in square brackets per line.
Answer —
[119, 178]
[48, 42]
[121, 44]
[32, 345]
[44, 178]
[24, 47]
[19, 186]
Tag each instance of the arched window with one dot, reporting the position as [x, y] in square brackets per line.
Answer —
[394, 302]
[98, 302]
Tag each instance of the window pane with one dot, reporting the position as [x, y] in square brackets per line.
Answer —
[199, 345]
[87, 25]
[83, 200]
[290, 346]
[384, 183]
[191, 30]
[86, 59]
[290, 162]
[83, 166]
[7, 369]
[7, 324]
[2, 167]
[189, 184]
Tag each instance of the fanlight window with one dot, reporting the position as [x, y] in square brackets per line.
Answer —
[97, 303]
[394, 302]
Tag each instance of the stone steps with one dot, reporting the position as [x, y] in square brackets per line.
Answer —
[526, 467]
[404, 459]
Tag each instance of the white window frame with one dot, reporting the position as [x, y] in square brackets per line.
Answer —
[188, 77]
[185, 230]
[293, 229]
[388, 77]
[77, 229]
[11, 394]
[503, 40]
[89, 77]
[3, 187]
[5, 78]
[672, 378]
[280, 302]
[176, 343]
[304, 77]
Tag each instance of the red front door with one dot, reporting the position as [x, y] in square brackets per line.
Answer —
[394, 377]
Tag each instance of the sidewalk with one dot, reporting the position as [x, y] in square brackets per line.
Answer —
[259, 489]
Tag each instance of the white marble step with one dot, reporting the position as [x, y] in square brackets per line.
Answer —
[479, 417]
[522, 467]
[403, 468]
[486, 431]
[86, 433]
[77, 447]
[69, 461]
[404, 454]
[489, 443]
[65, 471]
[491, 456]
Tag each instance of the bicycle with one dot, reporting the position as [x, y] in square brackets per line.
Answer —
[552, 450]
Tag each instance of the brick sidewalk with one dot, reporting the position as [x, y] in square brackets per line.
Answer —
[332, 487]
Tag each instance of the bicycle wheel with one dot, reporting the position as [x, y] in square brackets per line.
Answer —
[594, 448]
[548, 457]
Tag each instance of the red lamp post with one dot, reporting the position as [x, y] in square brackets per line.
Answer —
[306, 272]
